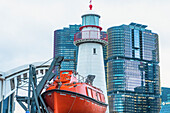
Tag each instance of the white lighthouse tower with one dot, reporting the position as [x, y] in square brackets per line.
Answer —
[90, 42]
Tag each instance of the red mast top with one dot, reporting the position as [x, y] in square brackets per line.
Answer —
[90, 6]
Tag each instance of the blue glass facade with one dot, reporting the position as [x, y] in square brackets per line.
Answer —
[11, 108]
[63, 46]
[165, 97]
[0, 106]
[133, 69]
[165, 107]
[90, 19]
[7, 105]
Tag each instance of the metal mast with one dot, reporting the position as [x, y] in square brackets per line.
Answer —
[34, 102]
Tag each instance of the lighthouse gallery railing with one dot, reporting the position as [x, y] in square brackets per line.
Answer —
[91, 34]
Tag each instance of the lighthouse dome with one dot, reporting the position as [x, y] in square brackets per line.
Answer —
[90, 18]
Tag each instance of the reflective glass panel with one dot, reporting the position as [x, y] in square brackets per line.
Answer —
[5, 105]
[136, 38]
[90, 20]
[0, 106]
[137, 53]
[11, 102]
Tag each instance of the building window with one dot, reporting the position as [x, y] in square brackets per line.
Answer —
[19, 79]
[12, 84]
[102, 98]
[137, 53]
[25, 76]
[89, 92]
[94, 51]
[46, 70]
[98, 96]
[36, 72]
[136, 39]
[41, 71]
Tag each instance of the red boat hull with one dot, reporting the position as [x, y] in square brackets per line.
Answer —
[62, 101]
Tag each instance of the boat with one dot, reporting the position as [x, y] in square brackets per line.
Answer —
[72, 93]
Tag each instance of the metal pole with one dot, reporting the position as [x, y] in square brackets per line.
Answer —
[29, 86]
[41, 99]
[35, 99]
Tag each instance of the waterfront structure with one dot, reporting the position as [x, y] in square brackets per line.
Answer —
[90, 41]
[63, 46]
[165, 98]
[8, 85]
[6, 101]
[133, 69]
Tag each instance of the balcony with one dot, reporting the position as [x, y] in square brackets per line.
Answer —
[90, 36]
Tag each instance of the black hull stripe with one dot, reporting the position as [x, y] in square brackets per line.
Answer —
[74, 93]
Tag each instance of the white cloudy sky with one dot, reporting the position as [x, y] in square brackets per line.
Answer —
[26, 26]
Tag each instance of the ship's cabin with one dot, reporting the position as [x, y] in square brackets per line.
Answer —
[67, 76]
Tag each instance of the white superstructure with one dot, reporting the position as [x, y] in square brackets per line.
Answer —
[8, 85]
[90, 42]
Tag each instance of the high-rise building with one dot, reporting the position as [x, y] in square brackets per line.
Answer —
[165, 97]
[63, 46]
[133, 69]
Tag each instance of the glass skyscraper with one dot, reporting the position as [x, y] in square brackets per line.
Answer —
[133, 77]
[63, 46]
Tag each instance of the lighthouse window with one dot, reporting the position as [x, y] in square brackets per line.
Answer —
[94, 50]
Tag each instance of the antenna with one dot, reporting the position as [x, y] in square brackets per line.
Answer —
[90, 6]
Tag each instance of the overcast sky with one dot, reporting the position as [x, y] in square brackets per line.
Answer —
[26, 26]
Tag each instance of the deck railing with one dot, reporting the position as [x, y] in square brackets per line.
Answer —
[80, 78]
[91, 34]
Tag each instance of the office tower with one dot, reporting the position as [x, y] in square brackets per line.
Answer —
[133, 69]
[165, 97]
[63, 46]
